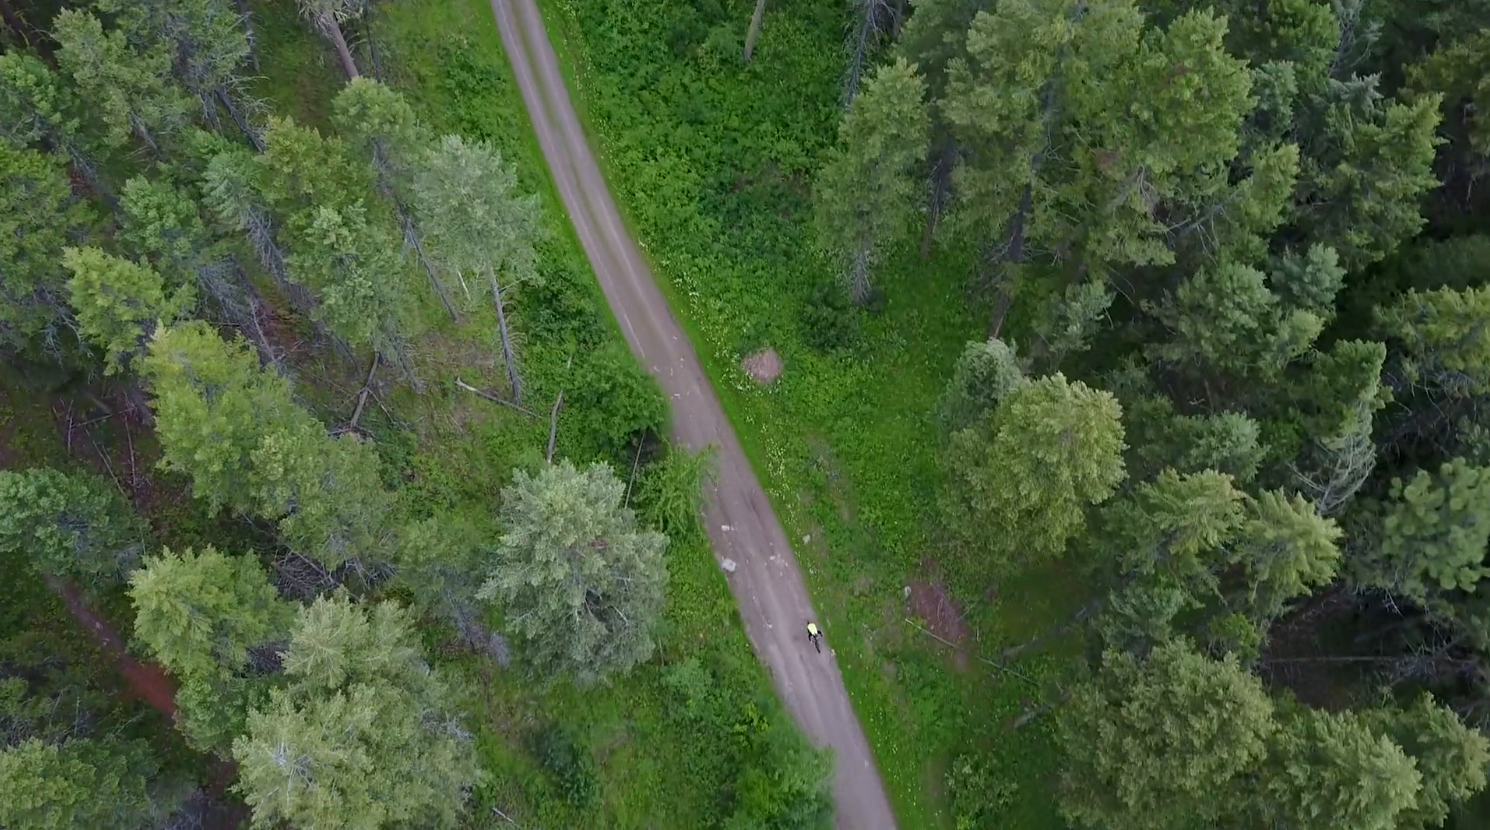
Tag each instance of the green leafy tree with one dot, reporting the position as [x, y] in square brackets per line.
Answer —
[1286, 550]
[76, 784]
[208, 42]
[1432, 532]
[132, 92]
[1367, 163]
[199, 613]
[69, 525]
[1331, 769]
[866, 190]
[329, 492]
[1163, 743]
[362, 736]
[38, 216]
[983, 375]
[213, 404]
[466, 199]
[1451, 757]
[1021, 481]
[579, 583]
[118, 303]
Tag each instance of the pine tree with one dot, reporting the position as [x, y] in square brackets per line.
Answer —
[131, 92]
[69, 525]
[1329, 769]
[209, 48]
[118, 303]
[983, 375]
[38, 216]
[1021, 481]
[466, 200]
[1286, 549]
[579, 582]
[1367, 163]
[1164, 743]
[1432, 533]
[865, 190]
[199, 613]
[76, 784]
[329, 492]
[213, 404]
[1450, 756]
[362, 735]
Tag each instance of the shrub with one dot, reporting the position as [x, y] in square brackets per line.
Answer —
[572, 768]
[617, 404]
[830, 322]
[977, 795]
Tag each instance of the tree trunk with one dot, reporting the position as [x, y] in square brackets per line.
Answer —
[859, 277]
[941, 188]
[506, 335]
[246, 128]
[332, 31]
[411, 237]
[26, 32]
[755, 28]
[250, 34]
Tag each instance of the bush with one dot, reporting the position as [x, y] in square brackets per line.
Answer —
[572, 768]
[671, 491]
[978, 796]
[616, 404]
[830, 321]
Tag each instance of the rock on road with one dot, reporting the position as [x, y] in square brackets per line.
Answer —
[741, 523]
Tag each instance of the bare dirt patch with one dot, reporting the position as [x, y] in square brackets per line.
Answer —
[764, 367]
[929, 601]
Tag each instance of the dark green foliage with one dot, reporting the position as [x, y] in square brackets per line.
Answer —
[615, 404]
[830, 320]
[75, 526]
[670, 491]
[570, 765]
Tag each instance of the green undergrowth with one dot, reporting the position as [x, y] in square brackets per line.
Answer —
[693, 737]
[713, 160]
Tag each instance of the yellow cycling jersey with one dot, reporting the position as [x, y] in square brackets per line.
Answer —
[812, 629]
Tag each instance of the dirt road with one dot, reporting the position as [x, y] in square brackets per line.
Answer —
[767, 584]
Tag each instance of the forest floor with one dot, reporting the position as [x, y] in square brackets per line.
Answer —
[741, 523]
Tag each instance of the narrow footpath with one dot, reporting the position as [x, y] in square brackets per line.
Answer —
[742, 526]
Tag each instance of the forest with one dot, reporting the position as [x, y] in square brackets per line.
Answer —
[1128, 433]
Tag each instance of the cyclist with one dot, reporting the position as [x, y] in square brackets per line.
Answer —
[816, 636]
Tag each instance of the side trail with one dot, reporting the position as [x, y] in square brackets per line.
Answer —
[767, 583]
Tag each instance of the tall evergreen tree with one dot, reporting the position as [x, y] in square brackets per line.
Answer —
[580, 583]
[865, 190]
